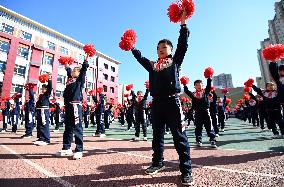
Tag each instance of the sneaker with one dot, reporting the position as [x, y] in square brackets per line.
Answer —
[102, 135]
[152, 170]
[78, 155]
[26, 136]
[277, 136]
[167, 132]
[42, 143]
[56, 130]
[37, 142]
[107, 129]
[67, 152]
[3, 131]
[97, 134]
[145, 139]
[217, 135]
[136, 138]
[187, 180]
[222, 130]
[213, 144]
[199, 144]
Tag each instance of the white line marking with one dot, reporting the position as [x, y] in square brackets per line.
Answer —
[194, 165]
[39, 168]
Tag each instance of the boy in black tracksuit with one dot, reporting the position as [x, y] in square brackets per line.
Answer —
[277, 74]
[190, 116]
[87, 116]
[57, 116]
[140, 113]
[166, 107]
[100, 115]
[130, 114]
[262, 113]
[213, 111]
[5, 113]
[253, 104]
[273, 107]
[107, 114]
[73, 98]
[200, 105]
[122, 115]
[42, 117]
[221, 107]
[15, 114]
[29, 115]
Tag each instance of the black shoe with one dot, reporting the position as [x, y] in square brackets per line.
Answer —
[26, 136]
[213, 144]
[187, 180]
[152, 170]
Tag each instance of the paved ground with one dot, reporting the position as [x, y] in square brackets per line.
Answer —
[245, 157]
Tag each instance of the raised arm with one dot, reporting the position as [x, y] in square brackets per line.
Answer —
[95, 99]
[83, 72]
[31, 95]
[273, 68]
[252, 96]
[208, 86]
[258, 91]
[146, 94]
[134, 96]
[182, 45]
[214, 96]
[49, 86]
[142, 60]
[68, 70]
[187, 92]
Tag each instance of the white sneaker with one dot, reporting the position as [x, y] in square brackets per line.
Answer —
[3, 131]
[42, 143]
[96, 135]
[145, 139]
[56, 130]
[275, 136]
[67, 152]
[217, 135]
[37, 142]
[107, 129]
[222, 130]
[78, 155]
[136, 138]
[102, 135]
[199, 144]
[167, 132]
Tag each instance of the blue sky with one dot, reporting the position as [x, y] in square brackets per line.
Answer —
[225, 34]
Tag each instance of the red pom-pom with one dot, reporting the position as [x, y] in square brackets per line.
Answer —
[174, 12]
[246, 97]
[189, 7]
[64, 60]
[273, 52]
[29, 86]
[129, 87]
[249, 83]
[247, 89]
[43, 78]
[126, 95]
[228, 109]
[89, 50]
[213, 88]
[184, 80]
[147, 84]
[19, 95]
[128, 40]
[92, 92]
[100, 90]
[228, 101]
[225, 91]
[208, 73]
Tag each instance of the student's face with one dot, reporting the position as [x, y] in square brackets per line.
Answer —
[270, 87]
[281, 73]
[43, 89]
[75, 73]
[209, 97]
[164, 50]
[219, 100]
[198, 87]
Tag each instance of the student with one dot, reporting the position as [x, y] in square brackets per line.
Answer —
[221, 107]
[42, 117]
[29, 115]
[273, 107]
[100, 116]
[200, 105]
[166, 107]
[73, 98]
[15, 114]
[212, 97]
[57, 116]
[253, 103]
[107, 115]
[5, 113]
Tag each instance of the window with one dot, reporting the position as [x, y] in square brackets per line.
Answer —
[20, 70]
[112, 69]
[48, 59]
[4, 46]
[7, 28]
[90, 85]
[16, 88]
[59, 93]
[106, 77]
[90, 74]
[23, 51]
[105, 88]
[50, 45]
[91, 61]
[63, 50]
[106, 66]
[2, 66]
[26, 36]
[112, 89]
[112, 79]
[61, 79]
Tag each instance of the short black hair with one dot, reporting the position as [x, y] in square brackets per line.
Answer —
[166, 41]
[44, 86]
[197, 81]
[281, 67]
